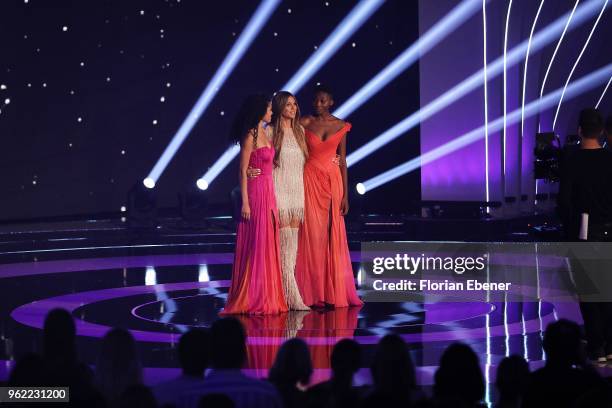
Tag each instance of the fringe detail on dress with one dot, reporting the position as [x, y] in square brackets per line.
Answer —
[286, 215]
[288, 248]
[289, 180]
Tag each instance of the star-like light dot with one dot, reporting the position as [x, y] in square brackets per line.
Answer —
[82, 64]
[123, 152]
[168, 84]
[162, 99]
[3, 87]
[353, 45]
[142, 12]
[154, 121]
[79, 119]
[7, 101]
[289, 11]
[64, 28]
[222, 113]
[123, 209]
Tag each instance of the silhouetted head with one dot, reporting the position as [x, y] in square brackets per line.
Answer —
[28, 371]
[345, 358]
[562, 343]
[459, 376]
[228, 344]
[512, 377]
[194, 352]
[292, 364]
[590, 123]
[392, 368]
[59, 337]
[118, 364]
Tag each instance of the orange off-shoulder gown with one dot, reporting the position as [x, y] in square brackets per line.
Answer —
[323, 269]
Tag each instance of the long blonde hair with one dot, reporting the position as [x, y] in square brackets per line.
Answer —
[278, 105]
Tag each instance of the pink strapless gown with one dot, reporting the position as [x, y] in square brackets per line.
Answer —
[256, 286]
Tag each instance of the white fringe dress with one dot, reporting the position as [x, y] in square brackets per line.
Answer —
[289, 190]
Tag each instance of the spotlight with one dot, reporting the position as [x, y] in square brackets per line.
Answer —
[219, 165]
[149, 182]
[360, 187]
[569, 77]
[554, 54]
[339, 36]
[202, 184]
[603, 93]
[252, 29]
[474, 81]
[150, 276]
[142, 207]
[523, 94]
[351, 23]
[402, 62]
[578, 87]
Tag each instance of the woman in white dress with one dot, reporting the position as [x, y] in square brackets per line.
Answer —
[289, 141]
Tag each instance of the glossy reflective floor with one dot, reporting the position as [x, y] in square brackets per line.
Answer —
[158, 296]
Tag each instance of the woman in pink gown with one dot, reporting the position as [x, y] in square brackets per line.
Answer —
[323, 268]
[256, 286]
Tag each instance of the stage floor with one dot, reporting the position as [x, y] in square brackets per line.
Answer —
[159, 291]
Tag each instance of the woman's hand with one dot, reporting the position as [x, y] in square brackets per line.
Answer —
[337, 160]
[344, 206]
[253, 172]
[246, 212]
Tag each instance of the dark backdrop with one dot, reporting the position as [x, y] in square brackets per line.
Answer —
[76, 137]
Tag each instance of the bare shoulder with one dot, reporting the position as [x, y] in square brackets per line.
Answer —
[338, 122]
[306, 120]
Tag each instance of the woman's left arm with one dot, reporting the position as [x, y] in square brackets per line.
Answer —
[341, 151]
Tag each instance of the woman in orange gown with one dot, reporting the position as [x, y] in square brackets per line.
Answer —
[323, 269]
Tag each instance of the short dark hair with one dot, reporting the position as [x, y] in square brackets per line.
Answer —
[590, 122]
[194, 351]
[323, 89]
[228, 343]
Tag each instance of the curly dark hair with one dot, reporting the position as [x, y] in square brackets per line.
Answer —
[252, 110]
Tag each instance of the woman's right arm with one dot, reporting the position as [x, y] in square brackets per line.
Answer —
[245, 154]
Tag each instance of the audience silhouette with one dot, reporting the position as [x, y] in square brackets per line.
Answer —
[566, 380]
